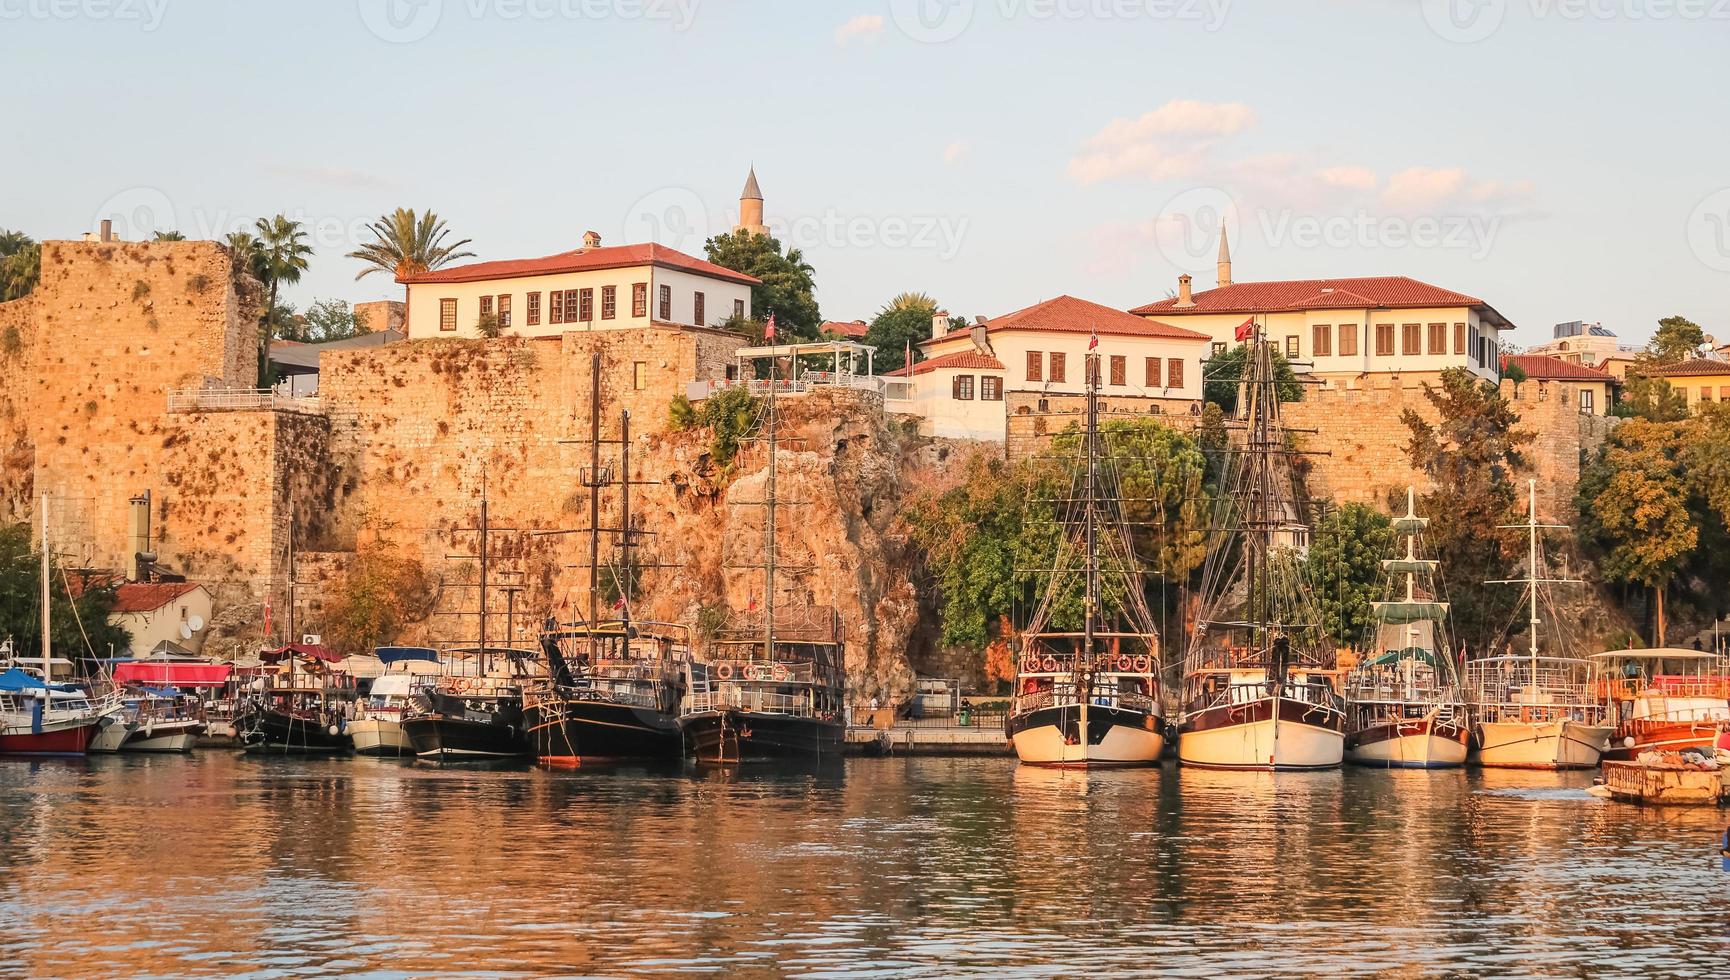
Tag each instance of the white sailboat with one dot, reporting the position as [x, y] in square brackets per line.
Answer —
[1535, 711]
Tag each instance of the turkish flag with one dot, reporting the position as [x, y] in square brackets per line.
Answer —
[1246, 329]
[769, 328]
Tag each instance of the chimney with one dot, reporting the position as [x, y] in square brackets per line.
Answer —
[1185, 298]
[142, 557]
[107, 229]
[939, 324]
[981, 342]
[591, 239]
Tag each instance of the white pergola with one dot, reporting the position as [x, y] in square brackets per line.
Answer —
[845, 358]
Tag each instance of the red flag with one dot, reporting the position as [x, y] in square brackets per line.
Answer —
[769, 329]
[1093, 342]
[620, 604]
[752, 605]
[1246, 329]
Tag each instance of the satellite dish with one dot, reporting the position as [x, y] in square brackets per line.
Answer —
[185, 631]
[196, 623]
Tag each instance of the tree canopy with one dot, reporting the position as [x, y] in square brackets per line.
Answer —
[20, 264]
[21, 604]
[903, 321]
[789, 287]
[1222, 373]
[1634, 505]
[1470, 455]
[1345, 566]
[383, 593]
[405, 243]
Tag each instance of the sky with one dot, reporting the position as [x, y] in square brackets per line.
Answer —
[1560, 159]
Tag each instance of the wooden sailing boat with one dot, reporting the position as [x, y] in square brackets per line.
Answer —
[1257, 690]
[1090, 698]
[1535, 711]
[1403, 703]
[614, 685]
[38, 716]
[773, 690]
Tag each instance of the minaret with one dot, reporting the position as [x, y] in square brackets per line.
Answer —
[1224, 257]
[751, 208]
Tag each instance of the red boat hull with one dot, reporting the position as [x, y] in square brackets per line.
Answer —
[65, 741]
[1663, 736]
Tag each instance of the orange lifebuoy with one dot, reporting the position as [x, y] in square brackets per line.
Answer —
[1143, 663]
[724, 671]
[780, 672]
[1050, 665]
[1125, 663]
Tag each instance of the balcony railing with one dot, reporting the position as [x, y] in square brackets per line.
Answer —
[236, 400]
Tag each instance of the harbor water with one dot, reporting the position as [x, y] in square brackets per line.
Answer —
[220, 865]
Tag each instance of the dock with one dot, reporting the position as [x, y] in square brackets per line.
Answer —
[882, 734]
[1666, 783]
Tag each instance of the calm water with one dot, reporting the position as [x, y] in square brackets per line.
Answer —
[221, 865]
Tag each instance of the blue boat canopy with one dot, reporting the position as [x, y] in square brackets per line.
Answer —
[396, 655]
[15, 681]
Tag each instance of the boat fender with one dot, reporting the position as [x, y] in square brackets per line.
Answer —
[332, 729]
[1628, 742]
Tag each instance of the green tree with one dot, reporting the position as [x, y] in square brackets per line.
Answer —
[1345, 566]
[972, 535]
[1634, 507]
[21, 604]
[488, 326]
[1654, 399]
[1469, 455]
[730, 415]
[331, 319]
[20, 264]
[905, 321]
[1222, 373]
[1514, 374]
[244, 248]
[1706, 458]
[283, 254]
[406, 244]
[789, 287]
[1676, 339]
[168, 236]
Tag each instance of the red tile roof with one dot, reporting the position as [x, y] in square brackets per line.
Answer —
[1391, 292]
[1693, 367]
[142, 597]
[584, 260]
[1541, 368]
[1066, 314]
[853, 329]
[960, 359]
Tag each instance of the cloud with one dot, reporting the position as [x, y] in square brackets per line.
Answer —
[861, 28]
[1348, 178]
[1173, 140]
[953, 153]
[1431, 189]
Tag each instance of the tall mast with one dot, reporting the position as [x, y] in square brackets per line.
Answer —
[1084, 680]
[1532, 566]
[625, 534]
[594, 482]
[769, 528]
[483, 617]
[47, 676]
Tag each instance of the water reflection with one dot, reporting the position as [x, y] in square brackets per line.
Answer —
[223, 866]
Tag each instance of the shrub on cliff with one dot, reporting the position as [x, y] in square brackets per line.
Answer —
[731, 415]
[383, 593]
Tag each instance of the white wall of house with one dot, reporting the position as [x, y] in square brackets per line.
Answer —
[425, 301]
[1460, 330]
[150, 628]
[933, 393]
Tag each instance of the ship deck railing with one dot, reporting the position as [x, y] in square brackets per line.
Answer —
[761, 702]
[1066, 696]
[1316, 692]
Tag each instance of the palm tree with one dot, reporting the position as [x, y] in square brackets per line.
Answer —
[911, 301]
[20, 264]
[282, 255]
[244, 247]
[405, 244]
[168, 236]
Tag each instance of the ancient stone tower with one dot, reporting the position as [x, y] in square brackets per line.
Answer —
[751, 208]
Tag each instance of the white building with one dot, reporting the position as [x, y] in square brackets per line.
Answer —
[589, 288]
[1347, 329]
[973, 378]
[1590, 345]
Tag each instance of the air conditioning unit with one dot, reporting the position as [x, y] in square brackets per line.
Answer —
[311, 640]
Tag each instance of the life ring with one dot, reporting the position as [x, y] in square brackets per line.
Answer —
[1143, 664]
[780, 672]
[724, 672]
[1049, 664]
[1029, 665]
[1125, 663]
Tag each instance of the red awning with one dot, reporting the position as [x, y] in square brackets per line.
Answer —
[172, 674]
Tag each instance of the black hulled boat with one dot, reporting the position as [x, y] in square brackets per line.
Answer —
[478, 724]
[303, 711]
[613, 694]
